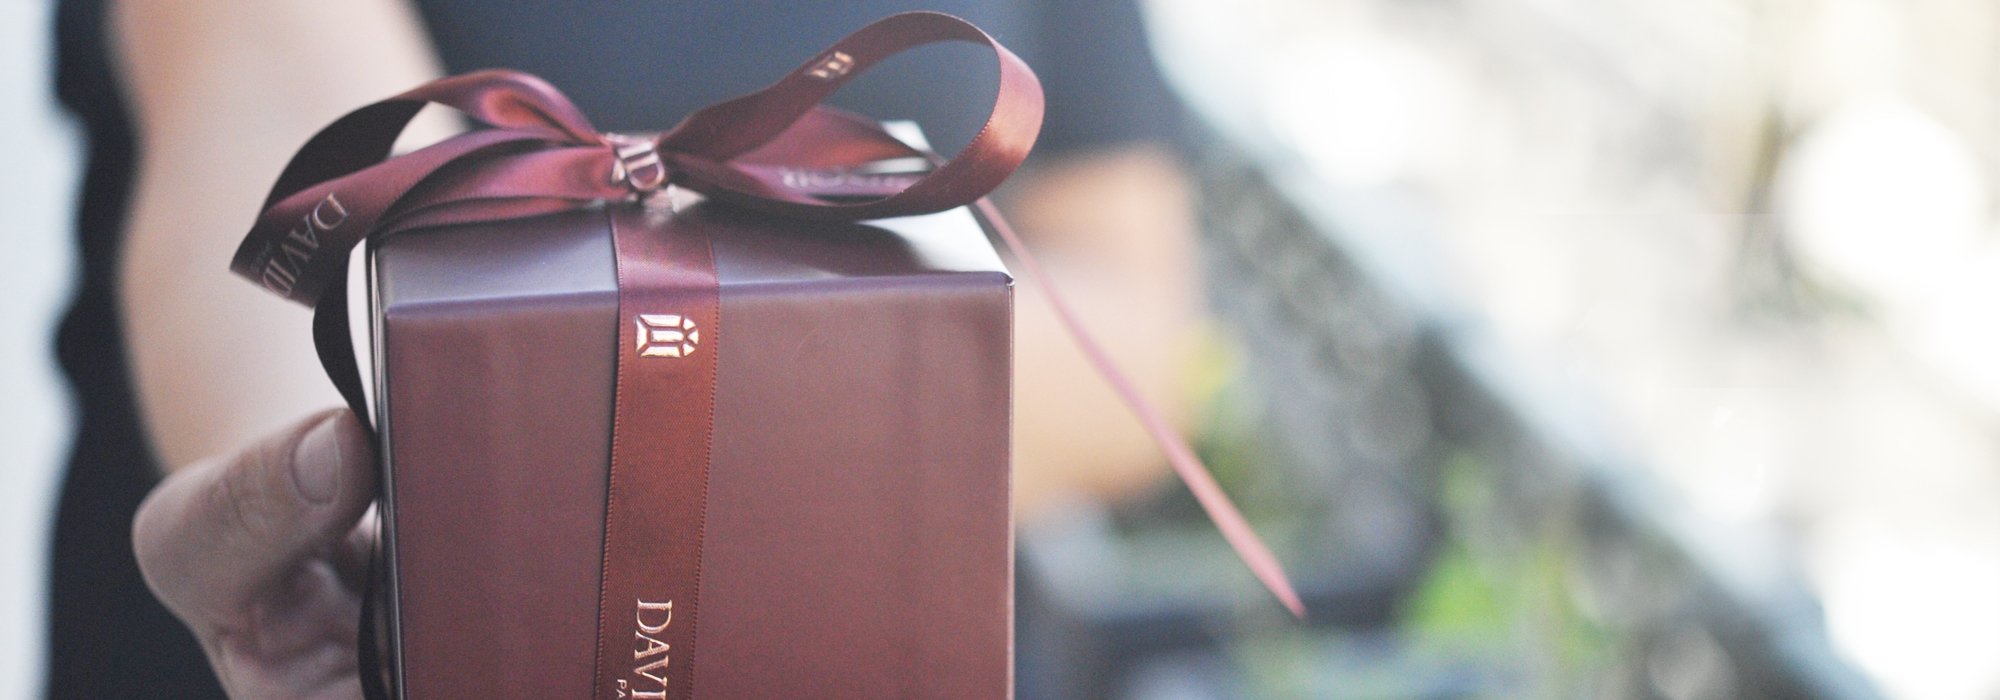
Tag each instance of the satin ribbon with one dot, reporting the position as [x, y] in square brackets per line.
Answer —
[542, 155]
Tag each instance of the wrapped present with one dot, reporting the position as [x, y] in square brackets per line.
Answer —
[840, 530]
[719, 412]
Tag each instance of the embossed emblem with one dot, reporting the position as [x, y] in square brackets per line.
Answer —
[667, 335]
[285, 261]
[835, 65]
[646, 666]
[638, 165]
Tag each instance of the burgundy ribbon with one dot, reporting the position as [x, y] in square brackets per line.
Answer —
[663, 424]
[541, 155]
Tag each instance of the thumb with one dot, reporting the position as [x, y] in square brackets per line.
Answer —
[215, 535]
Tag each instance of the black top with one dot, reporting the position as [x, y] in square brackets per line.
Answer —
[641, 66]
[632, 66]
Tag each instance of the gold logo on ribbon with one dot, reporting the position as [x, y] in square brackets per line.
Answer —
[638, 165]
[667, 335]
[649, 655]
[834, 66]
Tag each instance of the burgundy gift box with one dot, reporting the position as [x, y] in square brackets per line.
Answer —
[658, 417]
[857, 540]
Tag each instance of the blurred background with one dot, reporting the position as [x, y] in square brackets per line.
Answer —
[1562, 348]
[1585, 348]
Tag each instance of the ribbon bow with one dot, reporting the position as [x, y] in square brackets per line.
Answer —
[542, 155]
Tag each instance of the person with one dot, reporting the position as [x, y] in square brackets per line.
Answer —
[254, 537]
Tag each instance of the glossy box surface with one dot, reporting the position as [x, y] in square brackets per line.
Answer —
[858, 537]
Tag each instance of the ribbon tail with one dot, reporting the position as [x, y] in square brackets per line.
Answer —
[1235, 529]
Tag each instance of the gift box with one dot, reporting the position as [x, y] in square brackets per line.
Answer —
[857, 537]
[720, 412]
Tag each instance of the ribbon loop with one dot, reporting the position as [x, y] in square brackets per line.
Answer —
[718, 151]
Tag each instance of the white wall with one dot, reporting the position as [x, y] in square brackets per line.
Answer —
[38, 178]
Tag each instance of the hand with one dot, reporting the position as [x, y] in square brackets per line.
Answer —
[262, 554]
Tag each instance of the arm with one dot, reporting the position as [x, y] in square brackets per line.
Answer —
[1115, 227]
[222, 92]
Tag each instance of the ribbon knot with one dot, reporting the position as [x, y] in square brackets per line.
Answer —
[543, 155]
[638, 165]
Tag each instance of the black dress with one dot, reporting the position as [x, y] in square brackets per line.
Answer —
[631, 65]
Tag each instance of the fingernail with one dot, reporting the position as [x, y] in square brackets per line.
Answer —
[316, 462]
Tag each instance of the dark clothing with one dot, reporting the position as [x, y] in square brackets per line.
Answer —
[641, 66]
[108, 636]
[632, 66]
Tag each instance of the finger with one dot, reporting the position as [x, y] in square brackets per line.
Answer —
[216, 534]
[351, 558]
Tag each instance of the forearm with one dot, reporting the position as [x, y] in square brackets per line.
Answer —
[222, 92]
[1116, 230]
